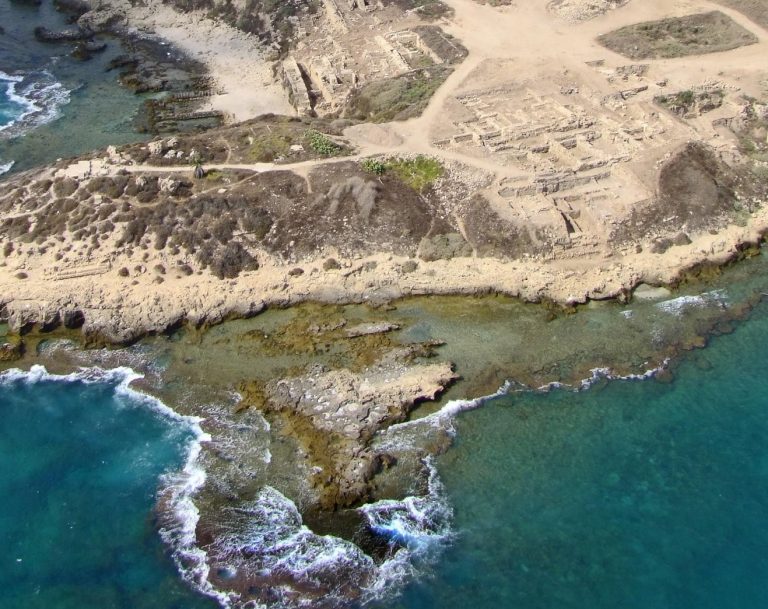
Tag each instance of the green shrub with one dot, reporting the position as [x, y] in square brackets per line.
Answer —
[374, 166]
[418, 173]
[686, 98]
[322, 144]
[270, 145]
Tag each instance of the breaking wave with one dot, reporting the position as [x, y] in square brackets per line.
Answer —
[179, 487]
[264, 545]
[415, 522]
[38, 95]
[264, 542]
[262, 549]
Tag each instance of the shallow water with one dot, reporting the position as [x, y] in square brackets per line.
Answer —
[81, 467]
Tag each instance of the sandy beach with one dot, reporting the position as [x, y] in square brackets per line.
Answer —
[245, 83]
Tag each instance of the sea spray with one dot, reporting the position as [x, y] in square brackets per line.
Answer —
[265, 543]
[639, 494]
[267, 537]
[180, 522]
[678, 306]
[407, 436]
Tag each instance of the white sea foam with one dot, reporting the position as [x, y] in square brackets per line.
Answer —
[419, 525]
[678, 306]
[179, 529]
[266, 538]
[6, 167]
[415, 522]
[41, 97]
[598, 374]
[180, 487]
[608, 374]
[444, 417]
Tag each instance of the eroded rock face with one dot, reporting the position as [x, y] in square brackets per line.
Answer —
[335, 414]
[696, 191]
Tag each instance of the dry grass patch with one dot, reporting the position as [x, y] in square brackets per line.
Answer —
[678, 37]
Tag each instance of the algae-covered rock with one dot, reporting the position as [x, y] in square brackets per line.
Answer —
[11, 348]
[334, 415]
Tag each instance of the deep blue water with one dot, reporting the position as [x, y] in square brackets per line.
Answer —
[80, 471]
[632, 494]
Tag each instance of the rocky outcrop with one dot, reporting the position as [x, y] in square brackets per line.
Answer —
[11, 348]
[102, 18]
[334, 414]
[120, 322]
[43, 34]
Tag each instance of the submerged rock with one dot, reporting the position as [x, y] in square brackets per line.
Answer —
[12, 349]
[43, 34]
[84, 50]
[366, 329]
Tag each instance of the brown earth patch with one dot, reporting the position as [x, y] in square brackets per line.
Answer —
[696, 192]
[711, 32]
[756, 10]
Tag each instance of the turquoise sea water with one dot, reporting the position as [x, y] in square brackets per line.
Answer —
[75, 106]
[632, 494]
[81, 466]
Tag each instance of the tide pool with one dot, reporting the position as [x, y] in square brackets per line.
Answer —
[631, 494]
[81, 466]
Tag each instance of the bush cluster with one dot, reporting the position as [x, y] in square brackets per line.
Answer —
[322, 144]
[419, 172]
[375, 166]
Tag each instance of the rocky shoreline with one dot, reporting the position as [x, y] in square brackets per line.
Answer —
[278, 211]
[336, 414]
[333, 390]
[107, 317]
[147, 64]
